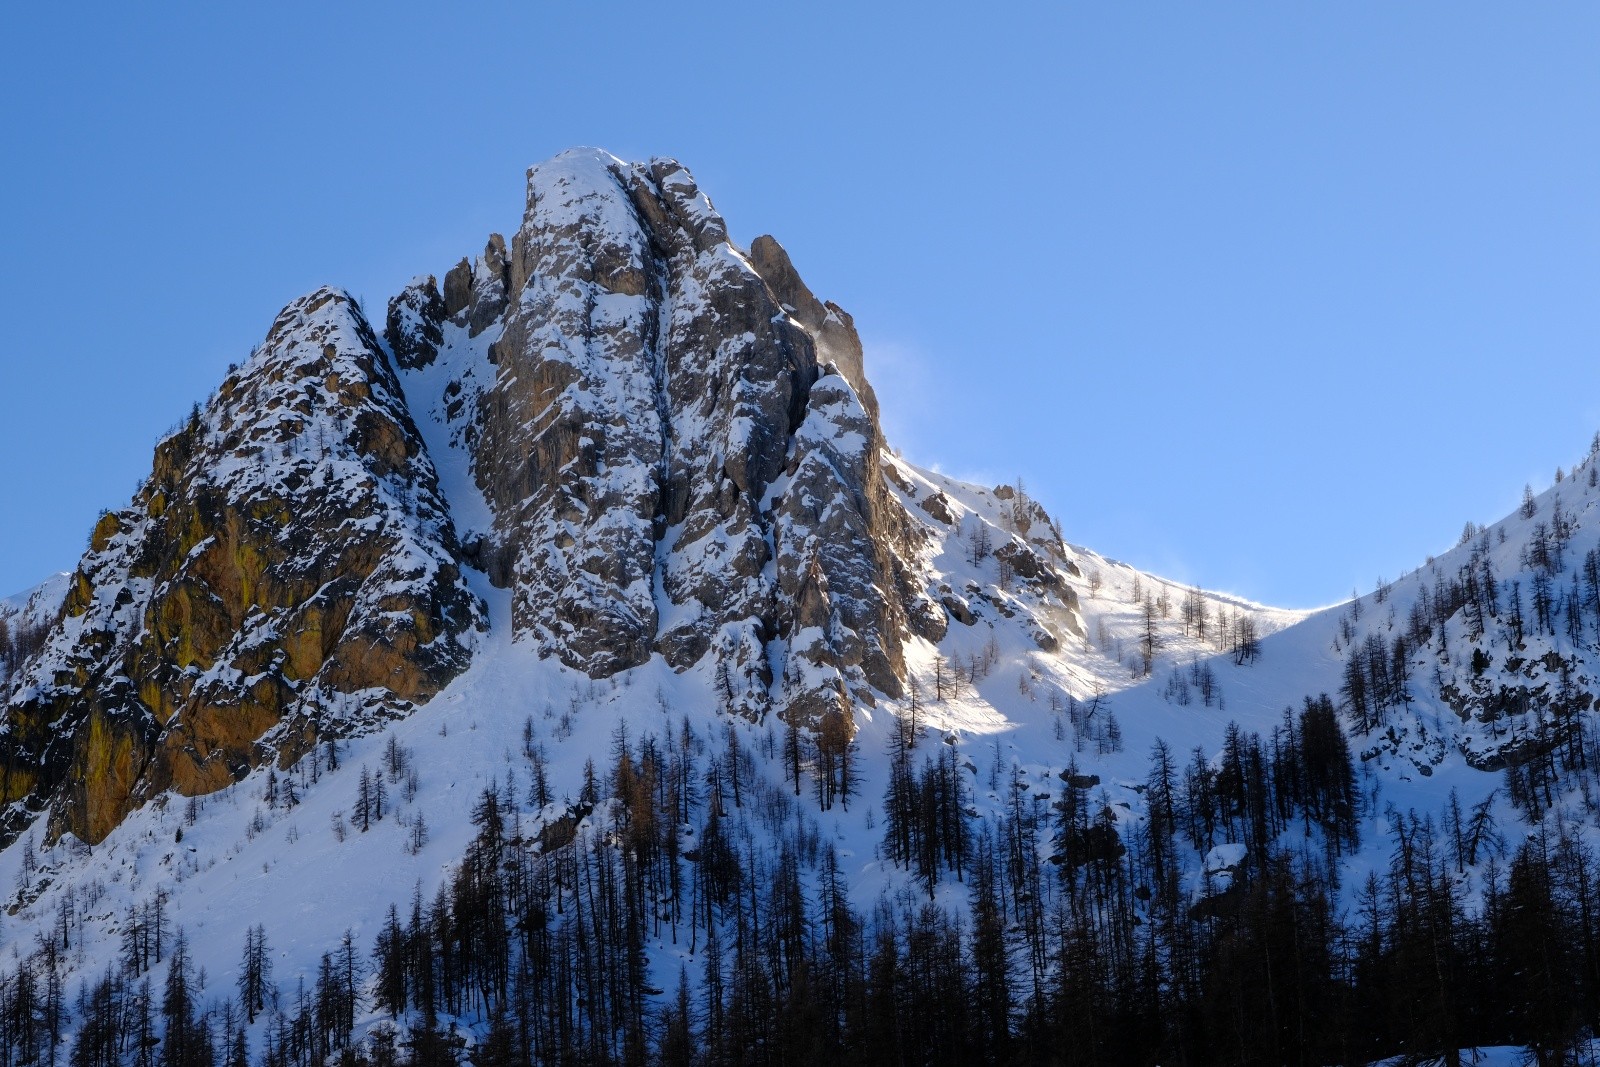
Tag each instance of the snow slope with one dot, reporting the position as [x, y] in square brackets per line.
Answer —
[1043, 675]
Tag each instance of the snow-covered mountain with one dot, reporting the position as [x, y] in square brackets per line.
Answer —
[613, 505]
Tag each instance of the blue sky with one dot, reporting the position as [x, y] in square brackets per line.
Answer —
[1268, 297]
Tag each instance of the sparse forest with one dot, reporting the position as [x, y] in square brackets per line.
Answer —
[686, 909]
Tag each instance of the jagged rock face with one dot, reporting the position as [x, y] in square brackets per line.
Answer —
[475, 292]
[831, 326]
[413, 328]
[670, 466]
[288, 569]
[661, 444]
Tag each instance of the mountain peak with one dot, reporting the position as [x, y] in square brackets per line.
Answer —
[326, 303]
[648, 396]
[662, 448]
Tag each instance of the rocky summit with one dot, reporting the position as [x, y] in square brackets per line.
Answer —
[660, 444]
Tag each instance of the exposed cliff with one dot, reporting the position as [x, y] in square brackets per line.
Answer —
[287, 569]
[675, 443]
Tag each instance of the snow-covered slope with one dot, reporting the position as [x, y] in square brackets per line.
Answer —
[1017, 687]
[1038, 681]
[26, 619]
[36, 607]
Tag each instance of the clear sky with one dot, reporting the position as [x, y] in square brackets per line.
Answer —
[1269, 297]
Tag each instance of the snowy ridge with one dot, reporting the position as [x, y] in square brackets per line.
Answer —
[25, 622]
[39, 604]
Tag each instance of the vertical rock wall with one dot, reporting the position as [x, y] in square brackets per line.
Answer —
[673, 468]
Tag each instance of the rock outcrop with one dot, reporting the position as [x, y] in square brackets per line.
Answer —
[288, 570]
[674, 464]
[414, 328]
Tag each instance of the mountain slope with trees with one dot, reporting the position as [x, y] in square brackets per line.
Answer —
[656, 711]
